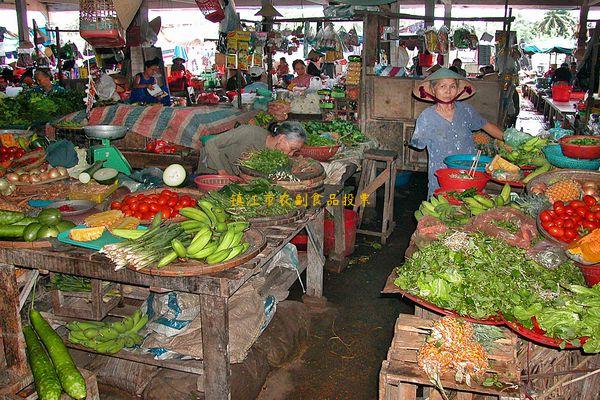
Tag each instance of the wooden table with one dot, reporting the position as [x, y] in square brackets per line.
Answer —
[556, 110]
[213, 290]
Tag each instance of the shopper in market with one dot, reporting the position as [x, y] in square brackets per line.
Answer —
[302, 78]
[144, 82]
[43, 78]
[446, 127]
[222, 152]
[562, 74]
[283, 69]
[256, 78]
[313, 68]
[457, 67]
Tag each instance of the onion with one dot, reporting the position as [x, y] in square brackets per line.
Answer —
[589, 190]
[3, 184]
[25, 178]
[62, 171]
[34, 178]
[589, 184]
[44, 176]
[53, 172]
[43, 168]
[12, 177]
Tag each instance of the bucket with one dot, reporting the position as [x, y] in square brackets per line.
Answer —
[403, 178]
[591, 273]
[425, 60]
[561, 93]
[350, 223]
[300, 240]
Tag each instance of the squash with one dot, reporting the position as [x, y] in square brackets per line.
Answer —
[8, 140]
[86, 234]
[588, 247]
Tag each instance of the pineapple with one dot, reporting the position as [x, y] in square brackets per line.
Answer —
[564, 190]
[532, 204]
[104, 219]
[86, 234]
[126, 223]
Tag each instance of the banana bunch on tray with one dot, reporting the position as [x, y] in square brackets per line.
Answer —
[106, 337]
[439, 207]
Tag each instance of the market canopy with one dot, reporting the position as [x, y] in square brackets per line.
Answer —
[533, 49]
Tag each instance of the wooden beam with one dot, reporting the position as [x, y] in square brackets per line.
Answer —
[447, 14]
[429, 12]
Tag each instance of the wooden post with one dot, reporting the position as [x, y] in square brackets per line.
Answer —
[10, 323]
[314, 253]
[447, 13]
[429, 12]
[337, 261]
[370, 41]
[214, 313]
[21, 8]
[582, 33]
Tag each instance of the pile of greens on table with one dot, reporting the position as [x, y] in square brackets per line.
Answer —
[266, 161]
[258, 198]
[320, 133]
[479, 276]
[31, 108]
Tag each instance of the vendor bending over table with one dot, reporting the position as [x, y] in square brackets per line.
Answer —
[221, 153]
[145, 81]
[446, 128]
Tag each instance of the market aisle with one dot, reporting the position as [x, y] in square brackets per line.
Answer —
[529, 120]
[350, 339]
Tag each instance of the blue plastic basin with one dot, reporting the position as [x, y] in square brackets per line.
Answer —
[402, 178]
[464, 161]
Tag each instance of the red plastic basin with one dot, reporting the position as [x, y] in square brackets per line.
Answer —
[561, 93]
[591, 273]
[449, 183]
[579, 151]
[350, 223]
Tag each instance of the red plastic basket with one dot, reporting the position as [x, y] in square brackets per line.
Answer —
[591, 273]
[211, 9]
[207, 183]
[561, 93]
[319, 153]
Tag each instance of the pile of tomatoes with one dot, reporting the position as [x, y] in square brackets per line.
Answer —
[569, 221]
[11, 153]
[145, 207]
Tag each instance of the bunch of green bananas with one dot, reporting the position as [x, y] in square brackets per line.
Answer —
[214, 246]
[108, 338]
[438, 207]
[478, 203]
[528, 153]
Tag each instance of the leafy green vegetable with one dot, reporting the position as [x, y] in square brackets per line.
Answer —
[266, 161]
[348, 132]
[585, 142]
[31, 108]
[482, 276]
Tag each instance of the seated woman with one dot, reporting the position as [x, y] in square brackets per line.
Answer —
[302, 79]
[43, 78]
[221, 153]
[446, 127]
[256, 75]
[145, 81]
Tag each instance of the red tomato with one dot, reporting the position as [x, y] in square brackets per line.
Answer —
[547, 224]
[115, 205]
[569, 210]
[153, 197]
[581, 211]
[559, 208]
[556, 232]
[134, 206]
[577, 204]
[129, 200]
[166, 192]
[595, 208]
[570, 233]
[560, 223]
[589, 200]
[166, 212]
[162, 201]
[589, 225]
[141, 197]
[569, 223]
[188, 199]
[181, 203]
[129, 213]
[148, 215]
[577, 218]
[545, 216]
[172, 202]
[597, 213]
[590, 216]
[138, 215]
[154, 207]
[144, 208]
[124, 208]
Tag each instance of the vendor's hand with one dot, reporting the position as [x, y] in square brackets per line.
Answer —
[222, 172]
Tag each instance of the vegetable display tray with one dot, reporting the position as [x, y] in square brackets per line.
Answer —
[254, 237]
[551, 177]
[60, 178]
[105, 239]
[537, 335]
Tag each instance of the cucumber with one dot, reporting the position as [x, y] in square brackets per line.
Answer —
[69, 376]
[26, 221]
[86, 176]
[46, 381]
[105, 176]
[12, 231]
[10, 217]
[31, 231]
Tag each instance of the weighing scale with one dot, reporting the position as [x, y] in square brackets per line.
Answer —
[111, 156]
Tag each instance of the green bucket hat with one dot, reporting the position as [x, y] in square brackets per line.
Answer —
[424, 91]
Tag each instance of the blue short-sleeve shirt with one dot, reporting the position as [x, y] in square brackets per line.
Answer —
[443, 138]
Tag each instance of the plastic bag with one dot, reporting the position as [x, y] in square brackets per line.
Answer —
[327, 39]
[431, 40]
[353, 37]
[557, 132]
[462, 38]
[507, 224]
[442, 40]
[514, 137]
[428, 230]
[548, 254]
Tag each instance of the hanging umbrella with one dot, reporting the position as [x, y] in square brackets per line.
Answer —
[180, 52]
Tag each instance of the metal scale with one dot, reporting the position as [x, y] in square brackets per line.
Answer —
[109, 154]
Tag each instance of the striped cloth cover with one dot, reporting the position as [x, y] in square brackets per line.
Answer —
[180, 125]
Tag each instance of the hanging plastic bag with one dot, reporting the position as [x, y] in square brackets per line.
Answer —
[327, 39]
[442, 40]
[431, 40]
[462, 38]
[353, 37]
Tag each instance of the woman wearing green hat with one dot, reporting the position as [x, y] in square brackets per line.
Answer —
[446, 127]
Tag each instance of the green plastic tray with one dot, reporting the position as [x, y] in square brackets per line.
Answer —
[97, 244]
